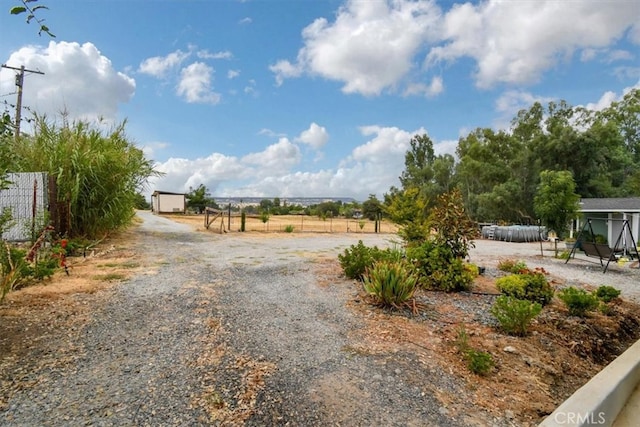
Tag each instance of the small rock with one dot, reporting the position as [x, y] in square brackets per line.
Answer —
[509, 414]
[443, 411]
[509, 349]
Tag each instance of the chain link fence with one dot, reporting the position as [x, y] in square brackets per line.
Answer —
[27, 199]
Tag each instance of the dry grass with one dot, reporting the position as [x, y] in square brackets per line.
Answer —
[278, 224]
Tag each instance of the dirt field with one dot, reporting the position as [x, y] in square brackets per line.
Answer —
[278, 224]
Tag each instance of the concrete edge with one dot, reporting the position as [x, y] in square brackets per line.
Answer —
[599, 401]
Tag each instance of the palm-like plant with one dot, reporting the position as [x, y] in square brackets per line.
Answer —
[391, 284]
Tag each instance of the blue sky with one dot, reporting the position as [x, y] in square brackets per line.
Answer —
[293, 98]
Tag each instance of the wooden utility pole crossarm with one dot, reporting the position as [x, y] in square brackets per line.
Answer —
[19, 84]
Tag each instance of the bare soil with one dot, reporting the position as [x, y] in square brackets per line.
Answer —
[531, 377]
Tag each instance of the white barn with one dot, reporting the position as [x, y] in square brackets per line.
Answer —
[166, 202]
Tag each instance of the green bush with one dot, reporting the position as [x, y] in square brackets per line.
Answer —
[512, 285]
[438, 268]
[288, 229]
[607, 293]
[515, 315]
[578, 301]
[391, 283]
[479, 362]
[532, 286]
[357, 258]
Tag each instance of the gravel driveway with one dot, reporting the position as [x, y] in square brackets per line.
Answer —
[235, 330]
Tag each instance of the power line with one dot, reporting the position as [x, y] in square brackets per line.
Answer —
[19, 85]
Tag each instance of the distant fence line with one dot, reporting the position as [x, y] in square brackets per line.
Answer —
[298, 223]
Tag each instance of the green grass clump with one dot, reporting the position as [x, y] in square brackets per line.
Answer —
[390, 283]
[515, 315]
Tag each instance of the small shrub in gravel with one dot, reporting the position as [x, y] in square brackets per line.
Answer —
[607, 293]
[479, 362]
[578, 301]
[392, 284]
[531, 286]
[515, 315]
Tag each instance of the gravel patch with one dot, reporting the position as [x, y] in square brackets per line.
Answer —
[236, 330]
[579, 271]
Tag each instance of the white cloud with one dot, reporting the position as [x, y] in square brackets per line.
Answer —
[436, 87]
[205, 54]
[373, 46]
[195, 84]
[371, 168]
[77, 79]
[609, 97]
[245, 21]
[284, 69]
[250, 88]
[159, 66]
[276, 158]
[180, 174]
[369, 47]
[619, 55]
[232, 74]
[316, 136]
[516, 41]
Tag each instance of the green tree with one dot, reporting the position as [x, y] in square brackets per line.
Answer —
[409, 209]
[372, 208]
[199, 198]
[556, 202]
[431, 174]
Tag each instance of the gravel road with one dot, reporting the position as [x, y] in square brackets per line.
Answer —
[237, 330]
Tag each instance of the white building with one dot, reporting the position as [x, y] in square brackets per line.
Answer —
[166, 202]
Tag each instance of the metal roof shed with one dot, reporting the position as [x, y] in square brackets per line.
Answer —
[167, 202]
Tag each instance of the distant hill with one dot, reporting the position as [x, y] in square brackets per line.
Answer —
[302, 201]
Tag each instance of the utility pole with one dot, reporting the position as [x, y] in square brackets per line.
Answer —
[19, 84]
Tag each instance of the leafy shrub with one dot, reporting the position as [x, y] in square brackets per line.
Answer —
[578, 301]
[532, 286]
[515, 315]
[357, 258]
[391, 283]
[564, 255]
[607, 293]
[438, 268]
[479, 362]
[288, 229]
[512, 266]
[512, 285]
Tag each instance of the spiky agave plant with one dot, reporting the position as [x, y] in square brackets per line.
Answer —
[390, 283]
